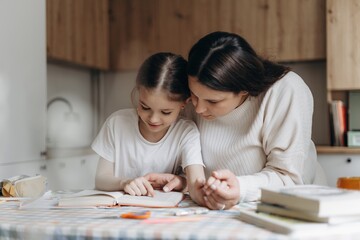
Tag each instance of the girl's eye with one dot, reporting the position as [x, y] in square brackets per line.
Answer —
[212, 102]
[144, 108]
[166, 113]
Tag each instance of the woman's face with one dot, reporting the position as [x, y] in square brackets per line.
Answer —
[210, 103]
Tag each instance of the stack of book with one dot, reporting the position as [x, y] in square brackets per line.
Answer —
[306, 210]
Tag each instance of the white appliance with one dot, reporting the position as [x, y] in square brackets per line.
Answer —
[22, 83]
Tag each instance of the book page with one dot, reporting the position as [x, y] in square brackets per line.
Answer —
[91, 192]
[91, 198]
[104, 198]
[314, 191]
[161, 199]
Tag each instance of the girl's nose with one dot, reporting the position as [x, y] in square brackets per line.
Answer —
[154, 118]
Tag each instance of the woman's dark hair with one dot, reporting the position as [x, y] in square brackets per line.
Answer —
[165, 71]
[226, 62]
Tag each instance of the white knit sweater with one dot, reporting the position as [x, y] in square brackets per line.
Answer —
[266, 141]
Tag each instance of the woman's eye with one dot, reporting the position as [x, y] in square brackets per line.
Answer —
[212, 102]
[144, 108]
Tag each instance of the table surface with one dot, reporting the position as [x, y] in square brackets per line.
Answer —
[105, 223]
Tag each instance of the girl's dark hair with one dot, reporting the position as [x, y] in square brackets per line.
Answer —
[165, 71]
[226, 62]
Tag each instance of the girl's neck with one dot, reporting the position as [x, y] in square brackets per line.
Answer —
[153, 137]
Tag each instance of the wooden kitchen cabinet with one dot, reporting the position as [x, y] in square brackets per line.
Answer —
[283, 30]
[343, 55]
[78, 32]
[343, 45]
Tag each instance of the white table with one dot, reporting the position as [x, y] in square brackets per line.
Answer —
[103, 223]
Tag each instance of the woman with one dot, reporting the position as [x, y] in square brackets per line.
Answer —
[254, 118]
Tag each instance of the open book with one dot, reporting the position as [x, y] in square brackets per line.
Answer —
[88, 198]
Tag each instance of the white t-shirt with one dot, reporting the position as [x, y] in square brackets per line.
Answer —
[120, 141]
[266, 141]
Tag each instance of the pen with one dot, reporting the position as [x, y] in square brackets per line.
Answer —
[191, 211]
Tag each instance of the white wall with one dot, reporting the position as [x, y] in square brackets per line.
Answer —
[314, 74]
[67, 129]
[116, 92]
[75, 85]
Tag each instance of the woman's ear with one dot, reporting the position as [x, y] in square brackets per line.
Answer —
[188, 100]
[244, 93]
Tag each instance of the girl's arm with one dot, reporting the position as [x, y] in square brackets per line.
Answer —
[195, 182]
[105, 179]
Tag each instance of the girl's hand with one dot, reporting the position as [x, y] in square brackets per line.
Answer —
[166, 181]
[139, 187]
[221, 190]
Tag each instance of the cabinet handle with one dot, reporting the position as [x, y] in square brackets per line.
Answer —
[348, 160]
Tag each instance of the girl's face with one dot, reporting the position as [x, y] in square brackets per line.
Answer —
[210, 103]
[156, 113]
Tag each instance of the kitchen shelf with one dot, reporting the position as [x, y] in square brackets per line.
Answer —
[337, 150]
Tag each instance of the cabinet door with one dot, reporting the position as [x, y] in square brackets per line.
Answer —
[24, 168]
[284, 30]
[338, 165]
[78, 32]
[343, 44]
[72, 172]
[22, 81]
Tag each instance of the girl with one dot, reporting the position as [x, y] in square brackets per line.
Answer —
[137, 144]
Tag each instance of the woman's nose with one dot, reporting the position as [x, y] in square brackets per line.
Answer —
[199, 107]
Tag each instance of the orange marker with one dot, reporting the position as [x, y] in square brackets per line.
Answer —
[136, 215]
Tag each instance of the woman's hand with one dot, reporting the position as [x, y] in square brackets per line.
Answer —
[139, 187]
[166, 181]
[221, 190]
